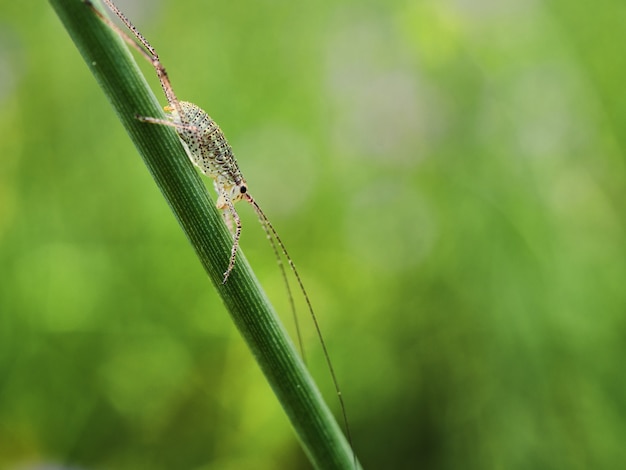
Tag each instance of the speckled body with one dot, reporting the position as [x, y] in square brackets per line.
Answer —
[209, 150]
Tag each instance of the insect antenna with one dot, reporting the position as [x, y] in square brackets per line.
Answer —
[292, 304]
[272, 234]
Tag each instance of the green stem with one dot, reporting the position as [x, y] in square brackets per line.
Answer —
[116, 71]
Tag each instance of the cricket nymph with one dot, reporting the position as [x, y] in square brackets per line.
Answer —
[209, 150]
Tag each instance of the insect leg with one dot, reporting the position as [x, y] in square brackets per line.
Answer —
[228, 219]
[167, 122]
[147, 51]
[230, 207]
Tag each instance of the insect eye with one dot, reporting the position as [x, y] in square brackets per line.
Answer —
[243, 190]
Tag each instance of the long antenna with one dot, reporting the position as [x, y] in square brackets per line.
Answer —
[268, 227]
[292, 304]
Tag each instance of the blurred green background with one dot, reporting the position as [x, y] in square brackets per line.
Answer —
[448, 176]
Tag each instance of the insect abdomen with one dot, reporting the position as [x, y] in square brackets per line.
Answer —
[209, 149]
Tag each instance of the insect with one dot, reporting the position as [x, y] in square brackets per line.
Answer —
[209, 150]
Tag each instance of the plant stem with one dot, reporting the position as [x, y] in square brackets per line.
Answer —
[116, 72]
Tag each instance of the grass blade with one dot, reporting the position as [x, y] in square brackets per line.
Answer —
[116, 72]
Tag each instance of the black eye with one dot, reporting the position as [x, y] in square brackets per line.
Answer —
[243, 190]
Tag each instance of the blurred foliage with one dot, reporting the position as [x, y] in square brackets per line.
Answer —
[448, 175]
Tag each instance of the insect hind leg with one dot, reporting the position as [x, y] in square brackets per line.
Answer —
[147, 51]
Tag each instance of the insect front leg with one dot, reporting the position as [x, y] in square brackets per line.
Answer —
[223, 205]
[230, 214]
